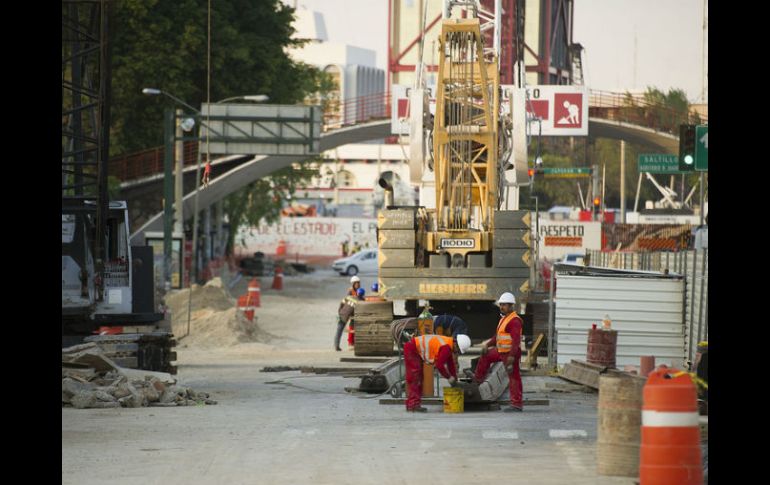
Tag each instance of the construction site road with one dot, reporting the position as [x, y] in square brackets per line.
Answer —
[289, 427]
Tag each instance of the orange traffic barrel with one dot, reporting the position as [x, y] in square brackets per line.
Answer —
[670, 453]
[254, 292]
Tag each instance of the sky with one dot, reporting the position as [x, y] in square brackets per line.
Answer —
[668, 33]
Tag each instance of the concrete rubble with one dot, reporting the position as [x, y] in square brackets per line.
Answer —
[92, 380]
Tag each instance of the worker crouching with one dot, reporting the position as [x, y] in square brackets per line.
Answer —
[431, 349]
[505, 347]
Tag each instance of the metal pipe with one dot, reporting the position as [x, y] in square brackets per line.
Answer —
[623, 181]
[690, 352]
[551, 319]
[178, 174]
[168, 193]
[702, 290]
[702, 211]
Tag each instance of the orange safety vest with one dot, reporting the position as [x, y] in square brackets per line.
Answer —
[428, 345]
[504, 339]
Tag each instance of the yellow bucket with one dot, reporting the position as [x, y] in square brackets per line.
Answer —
[454, 400]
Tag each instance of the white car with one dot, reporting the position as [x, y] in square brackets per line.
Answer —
[364, 261]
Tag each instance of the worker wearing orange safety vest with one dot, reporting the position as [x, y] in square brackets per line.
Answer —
[353, 292]
[431, 349]
[505, 347]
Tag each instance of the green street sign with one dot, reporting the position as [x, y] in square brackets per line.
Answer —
[702, 148]
[565, 172]
[659, 163]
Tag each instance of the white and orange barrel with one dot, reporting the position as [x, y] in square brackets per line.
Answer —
[670, 452]
[254, 293]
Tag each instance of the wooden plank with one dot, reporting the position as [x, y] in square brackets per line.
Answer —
[374, 360]
[434, 401]
[395, 258]
[512, 238]
[395, 219]
[512, 258]
[585, 373]
[512, 219]
[534, 350]
[331, 370]
[396, 239]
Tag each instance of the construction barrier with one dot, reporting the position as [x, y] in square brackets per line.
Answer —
[254, 293]
[670, 452]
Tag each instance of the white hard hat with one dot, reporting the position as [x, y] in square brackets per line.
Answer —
[463, 342]
[506, 298]
[355, 279]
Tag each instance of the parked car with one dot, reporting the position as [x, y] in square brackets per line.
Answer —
[361, 262]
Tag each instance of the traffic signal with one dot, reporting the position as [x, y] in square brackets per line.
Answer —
[597, 204]
[686, 148]
[531, 172]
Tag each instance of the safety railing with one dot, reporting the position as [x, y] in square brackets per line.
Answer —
[639, 111]
[356, 110]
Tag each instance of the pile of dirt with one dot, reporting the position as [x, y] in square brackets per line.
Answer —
[215, 320]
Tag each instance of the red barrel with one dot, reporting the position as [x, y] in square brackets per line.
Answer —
[670, 453]
[602, 346]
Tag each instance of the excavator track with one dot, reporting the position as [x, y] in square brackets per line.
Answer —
[147, 351]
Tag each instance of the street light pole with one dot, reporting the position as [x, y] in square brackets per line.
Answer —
[168, 194]
[170, 137]
[178, 175]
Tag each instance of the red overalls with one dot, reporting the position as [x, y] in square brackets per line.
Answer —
[433, 349]
[507, 344]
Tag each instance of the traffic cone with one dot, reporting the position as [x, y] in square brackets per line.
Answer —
[254, 293]
[281, 249]
[670, 453]
[278, 278]
[243, 305]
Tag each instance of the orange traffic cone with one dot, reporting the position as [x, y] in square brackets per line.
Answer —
[254, 292]
[243, 305]
[281, 249]
[278, 278]
[670, 452]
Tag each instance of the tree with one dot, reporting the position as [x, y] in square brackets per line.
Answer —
[164, 45]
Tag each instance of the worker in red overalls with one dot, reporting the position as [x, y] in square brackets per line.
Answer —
[432, 349]
[505, 347]
[206, 175]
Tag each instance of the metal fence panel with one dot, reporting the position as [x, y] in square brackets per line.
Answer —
[693, 265]
[646, 312]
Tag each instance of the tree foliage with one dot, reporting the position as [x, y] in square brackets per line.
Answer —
[164, 45]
